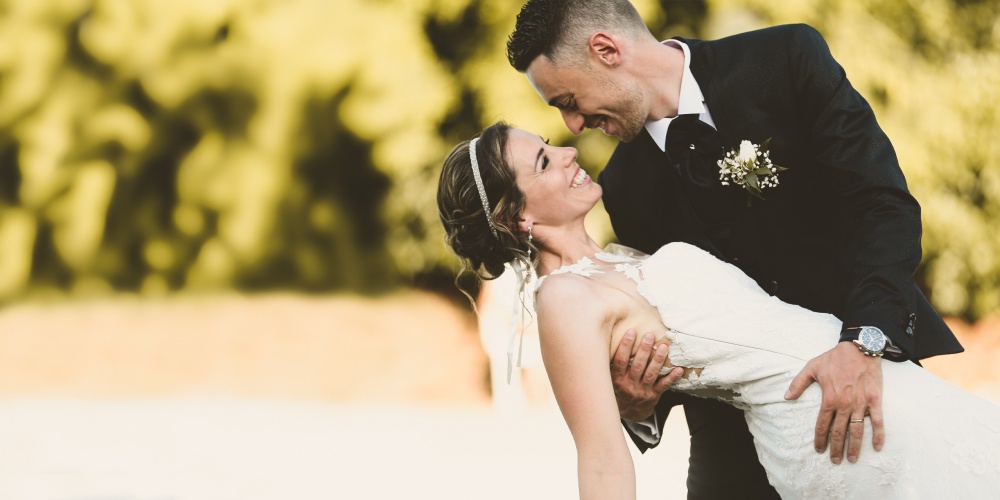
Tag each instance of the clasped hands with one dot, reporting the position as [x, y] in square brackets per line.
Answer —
[851, 383]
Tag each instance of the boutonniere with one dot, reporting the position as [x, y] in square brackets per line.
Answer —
[751, 168]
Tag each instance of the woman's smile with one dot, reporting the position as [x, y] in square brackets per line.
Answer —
[579, 179]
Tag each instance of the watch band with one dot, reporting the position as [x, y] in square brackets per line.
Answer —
[850, 334]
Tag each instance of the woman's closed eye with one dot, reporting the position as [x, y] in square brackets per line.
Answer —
[543, 156]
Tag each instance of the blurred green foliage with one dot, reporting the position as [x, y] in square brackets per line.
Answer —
[159, 145]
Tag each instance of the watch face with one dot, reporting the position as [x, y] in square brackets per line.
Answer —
[872, 339]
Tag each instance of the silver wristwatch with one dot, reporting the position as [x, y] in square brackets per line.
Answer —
[870, 340]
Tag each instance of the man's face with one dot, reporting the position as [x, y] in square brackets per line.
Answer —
[590, 98]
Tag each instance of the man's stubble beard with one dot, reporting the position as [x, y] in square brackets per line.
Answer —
[627, 107]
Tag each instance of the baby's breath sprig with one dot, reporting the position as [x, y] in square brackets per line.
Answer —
[751, 168]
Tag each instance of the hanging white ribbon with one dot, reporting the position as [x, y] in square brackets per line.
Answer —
[517, 317]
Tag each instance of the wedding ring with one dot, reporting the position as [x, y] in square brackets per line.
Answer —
[858, 421]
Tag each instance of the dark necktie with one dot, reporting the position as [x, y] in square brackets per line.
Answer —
[693, 150]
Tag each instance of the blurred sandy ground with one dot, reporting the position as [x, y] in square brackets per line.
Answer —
[289, 396]
[273, 397]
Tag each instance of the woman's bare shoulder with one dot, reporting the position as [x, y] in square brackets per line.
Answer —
[569, 294]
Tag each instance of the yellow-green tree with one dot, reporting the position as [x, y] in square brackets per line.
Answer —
[160, 145]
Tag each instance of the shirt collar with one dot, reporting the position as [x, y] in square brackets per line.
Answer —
[691, 101]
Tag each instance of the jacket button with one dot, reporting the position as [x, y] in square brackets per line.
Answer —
[774, 287]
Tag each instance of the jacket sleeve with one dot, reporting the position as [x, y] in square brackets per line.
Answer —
[881, 217]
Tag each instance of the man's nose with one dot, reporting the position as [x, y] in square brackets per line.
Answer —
[574, 121]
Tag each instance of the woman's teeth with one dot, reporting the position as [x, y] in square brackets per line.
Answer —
[579, 178]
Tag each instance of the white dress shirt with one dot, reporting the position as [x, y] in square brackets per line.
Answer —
[691, 101]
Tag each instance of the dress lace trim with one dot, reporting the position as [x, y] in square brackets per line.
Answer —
[613, 253]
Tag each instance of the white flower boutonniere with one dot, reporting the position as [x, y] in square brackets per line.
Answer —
[751, 168]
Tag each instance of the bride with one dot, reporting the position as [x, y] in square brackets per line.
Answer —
[510, 197]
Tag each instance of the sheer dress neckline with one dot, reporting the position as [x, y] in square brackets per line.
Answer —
[613, 253]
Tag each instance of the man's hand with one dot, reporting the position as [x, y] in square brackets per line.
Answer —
[852, 388]
[638, 386]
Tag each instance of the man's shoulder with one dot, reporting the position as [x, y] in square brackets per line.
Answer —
[782, 35]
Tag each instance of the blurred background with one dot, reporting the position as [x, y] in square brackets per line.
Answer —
[222, 273]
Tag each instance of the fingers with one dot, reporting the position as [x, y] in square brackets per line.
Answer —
[826, 413]
[855, 432]
[838, 435]
[665, 383]
[874, 404]
[655, 365]
[641, 357]
[801, 381]
[620, 364]
[878, 426]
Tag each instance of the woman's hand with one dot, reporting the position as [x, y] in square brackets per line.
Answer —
[638, 385]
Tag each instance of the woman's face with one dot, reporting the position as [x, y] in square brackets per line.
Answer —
[556, 189]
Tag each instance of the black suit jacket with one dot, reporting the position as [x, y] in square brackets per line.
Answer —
[840, 233]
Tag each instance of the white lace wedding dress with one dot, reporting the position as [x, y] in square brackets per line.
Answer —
[941, 442]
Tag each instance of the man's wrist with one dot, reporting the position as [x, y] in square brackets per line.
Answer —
[646, 429]
[871, 341]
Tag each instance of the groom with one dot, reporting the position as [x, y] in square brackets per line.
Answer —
[836, 232]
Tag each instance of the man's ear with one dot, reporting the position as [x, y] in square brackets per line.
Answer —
[605, 49]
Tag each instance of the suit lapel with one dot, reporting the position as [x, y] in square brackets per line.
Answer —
[658, 188]
[662, 191]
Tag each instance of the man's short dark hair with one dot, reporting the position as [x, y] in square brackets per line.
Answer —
[558, 29]
[538, 27]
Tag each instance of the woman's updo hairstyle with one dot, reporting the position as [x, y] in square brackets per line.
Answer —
[484, 249]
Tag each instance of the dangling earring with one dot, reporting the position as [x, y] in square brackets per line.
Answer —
[529, 242]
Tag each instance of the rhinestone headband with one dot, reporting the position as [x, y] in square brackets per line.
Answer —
[479, 184]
